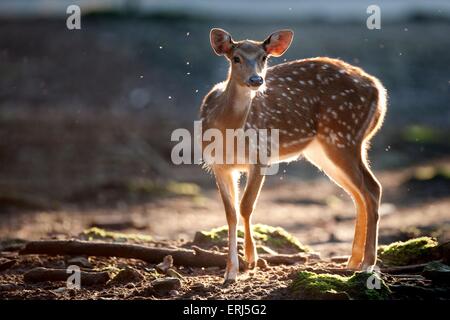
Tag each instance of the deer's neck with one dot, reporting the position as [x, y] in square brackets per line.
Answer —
[236, 102]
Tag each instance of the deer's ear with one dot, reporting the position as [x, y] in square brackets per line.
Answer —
[278, 42]
[221, 41]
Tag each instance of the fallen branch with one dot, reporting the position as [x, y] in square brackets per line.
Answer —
[45, 274]
[193, 258]
[216, 258]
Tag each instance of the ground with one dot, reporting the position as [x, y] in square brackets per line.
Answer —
[316, 212]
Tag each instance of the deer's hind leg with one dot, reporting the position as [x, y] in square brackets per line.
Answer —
[348, 168]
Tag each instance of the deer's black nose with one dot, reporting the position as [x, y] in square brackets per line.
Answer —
[255, 81]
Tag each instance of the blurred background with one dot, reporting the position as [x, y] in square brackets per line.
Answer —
[86, 115]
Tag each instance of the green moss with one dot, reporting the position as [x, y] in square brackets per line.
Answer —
[147, 186]
[275, 238]
[430, 172]
[183, 188]
[418, 133]
[101, 234]
[413, 251]
[310, 285]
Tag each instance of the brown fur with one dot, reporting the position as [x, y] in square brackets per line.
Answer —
[324, 109]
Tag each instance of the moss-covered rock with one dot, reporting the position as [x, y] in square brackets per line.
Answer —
[276, 238]
[101, 234]
[413, 251]
[309, 285]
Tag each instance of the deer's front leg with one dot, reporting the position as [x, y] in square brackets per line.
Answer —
[255, 181]
[227, 184]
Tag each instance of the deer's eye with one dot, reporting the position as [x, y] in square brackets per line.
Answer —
[264, 58]
[236, 59]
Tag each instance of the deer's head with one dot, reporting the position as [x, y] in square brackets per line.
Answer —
[248, 58]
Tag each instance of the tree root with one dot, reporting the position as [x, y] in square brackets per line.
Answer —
[284, 258]
[197, 257]
[193, 258]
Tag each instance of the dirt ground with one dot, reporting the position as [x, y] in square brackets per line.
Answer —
[317, 212]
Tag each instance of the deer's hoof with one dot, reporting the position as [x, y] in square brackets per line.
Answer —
[352, 265]
[251, 265]
[367, 267]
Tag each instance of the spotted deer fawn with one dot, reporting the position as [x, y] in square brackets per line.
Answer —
[324, 109]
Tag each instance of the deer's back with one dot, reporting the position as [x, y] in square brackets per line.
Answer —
[319, 97]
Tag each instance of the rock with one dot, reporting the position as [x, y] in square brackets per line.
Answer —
[309, 285]
[208, 238]
[126, 276]
[59, 290]
[413, 251]
[262, 264]
[173, 293]
[79, 261]
[198, 286]
[276, 238]
[165, 265]
[164, 285]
